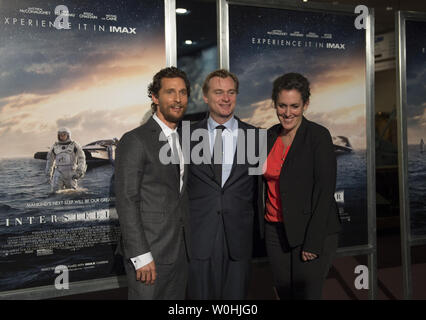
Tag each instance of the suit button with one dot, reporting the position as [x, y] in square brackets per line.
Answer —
[218, 212]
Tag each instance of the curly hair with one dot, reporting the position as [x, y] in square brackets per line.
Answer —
[155, 86]
[290, 81]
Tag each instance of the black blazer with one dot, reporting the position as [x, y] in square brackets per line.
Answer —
[152, 211]
[236, 203]
[307, 186]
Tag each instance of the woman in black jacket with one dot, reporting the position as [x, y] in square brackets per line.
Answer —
[301, 216]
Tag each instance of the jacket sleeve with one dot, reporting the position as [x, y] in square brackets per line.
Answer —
[325, 170]
[129, 167]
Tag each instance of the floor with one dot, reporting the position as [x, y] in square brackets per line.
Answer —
[340, 283]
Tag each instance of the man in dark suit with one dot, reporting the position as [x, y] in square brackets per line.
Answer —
[222, 197]
[151, 196]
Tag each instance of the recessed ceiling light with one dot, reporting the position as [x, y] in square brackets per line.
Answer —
[389, 8]
[182, 11]
[305, 0]
[188, 42]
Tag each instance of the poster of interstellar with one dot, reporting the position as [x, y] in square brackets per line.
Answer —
[73, 80]
[415, 115]
[330, 52]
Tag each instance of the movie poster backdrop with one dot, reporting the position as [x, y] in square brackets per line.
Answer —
[89, 74]
[415, 114]
[330, 52]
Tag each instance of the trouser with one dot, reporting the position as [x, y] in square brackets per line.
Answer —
[62, 179]
[220, 277]
[170, 283]
[293, 277]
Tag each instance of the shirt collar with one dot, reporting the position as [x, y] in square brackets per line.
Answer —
[231, 124]
[166, 130]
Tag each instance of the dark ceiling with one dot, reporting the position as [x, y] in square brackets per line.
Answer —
[200, 24]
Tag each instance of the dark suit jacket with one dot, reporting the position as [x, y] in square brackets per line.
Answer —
[151, 210]
[236, 202]
[307, 186]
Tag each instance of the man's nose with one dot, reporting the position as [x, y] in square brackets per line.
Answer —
[225, 97]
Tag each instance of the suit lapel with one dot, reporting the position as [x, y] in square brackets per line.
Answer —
[155, 130]
[295, 145]
[208, 166]
[158, 144]
[235, 167]
[273, 134]
[203, 169]
[238, 169]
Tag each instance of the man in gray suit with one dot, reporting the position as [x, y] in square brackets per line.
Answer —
[151, 197]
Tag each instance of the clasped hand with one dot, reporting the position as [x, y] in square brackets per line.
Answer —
[147, 274]
[307, 256]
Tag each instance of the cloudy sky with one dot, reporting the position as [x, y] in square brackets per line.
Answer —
[337, 77]
[93, 82]
[416, 81]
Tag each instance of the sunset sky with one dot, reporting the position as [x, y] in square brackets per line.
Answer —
[416, 81]
[94, 83]
[339, 105]
[337, 77]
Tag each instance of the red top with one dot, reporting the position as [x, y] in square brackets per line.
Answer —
[274, 162]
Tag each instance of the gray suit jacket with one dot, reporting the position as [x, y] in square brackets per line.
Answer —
[151, 210]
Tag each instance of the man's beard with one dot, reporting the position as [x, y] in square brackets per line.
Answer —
[171, 117]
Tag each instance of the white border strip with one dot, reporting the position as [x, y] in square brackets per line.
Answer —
[170, 32]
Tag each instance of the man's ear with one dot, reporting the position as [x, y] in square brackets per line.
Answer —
[155, 100]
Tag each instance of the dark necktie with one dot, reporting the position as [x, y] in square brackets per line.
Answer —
[175, 154]
[217, 157]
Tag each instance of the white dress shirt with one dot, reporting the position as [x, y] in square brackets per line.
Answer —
[146, 258]
[229, 136]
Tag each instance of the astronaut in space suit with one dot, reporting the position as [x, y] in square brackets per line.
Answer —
[66, 162]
